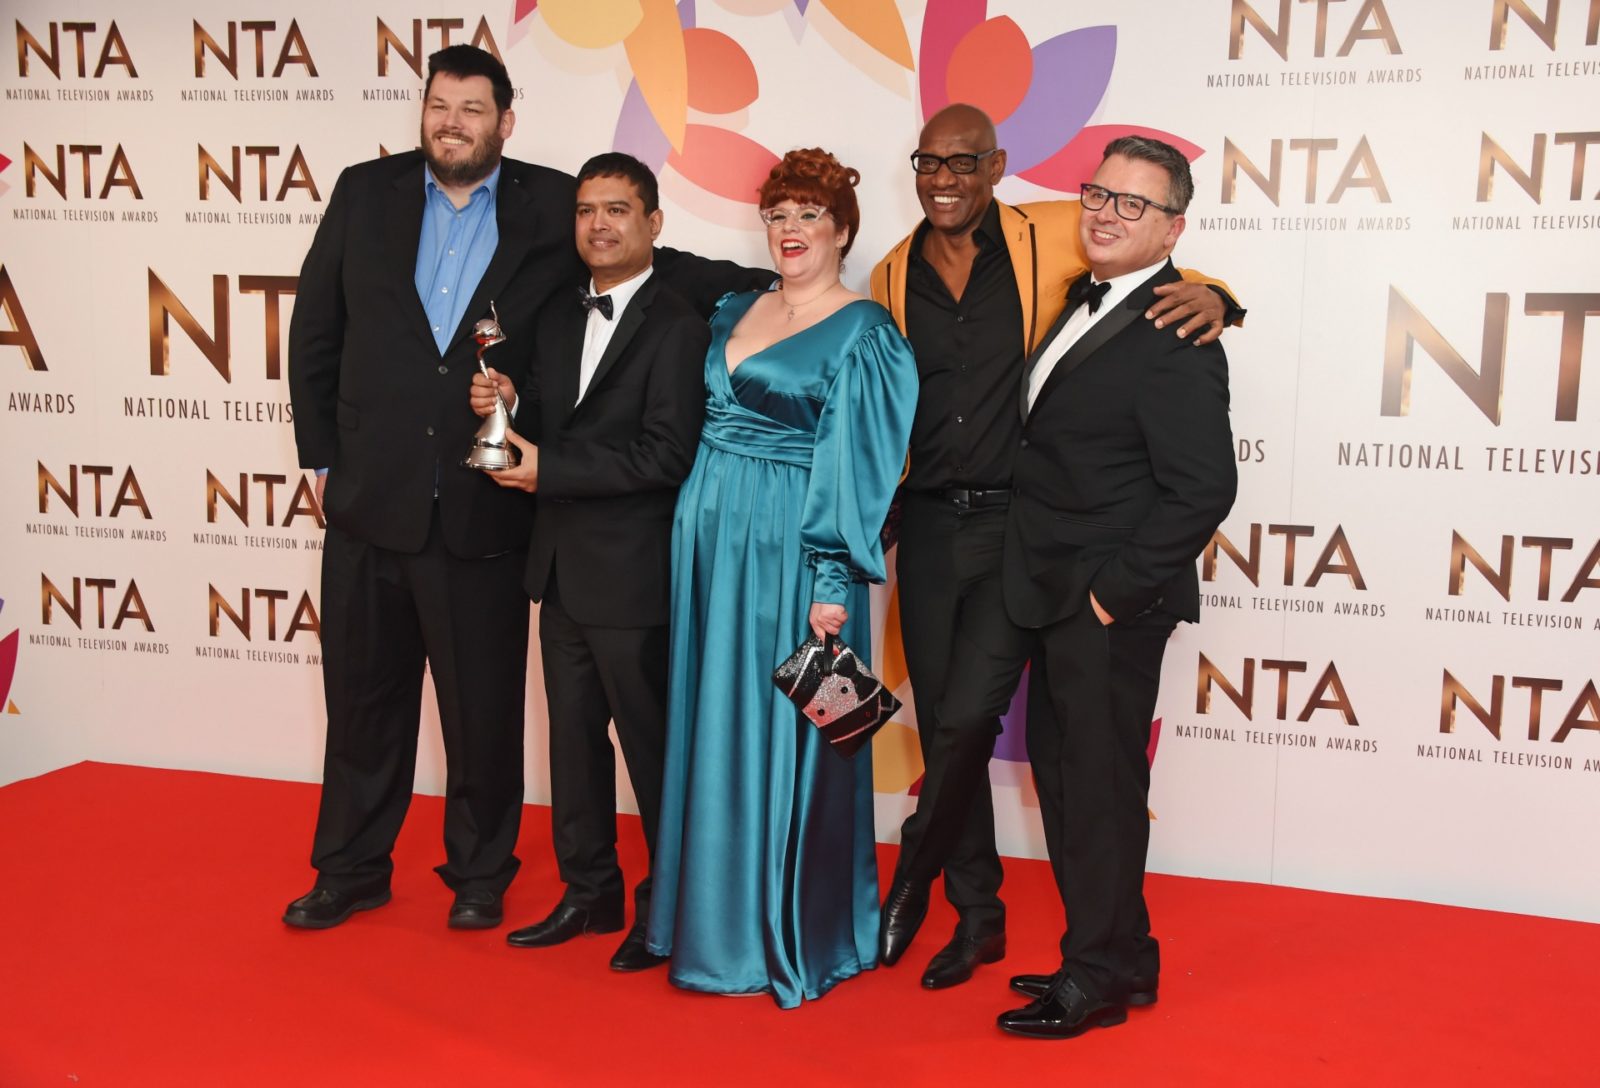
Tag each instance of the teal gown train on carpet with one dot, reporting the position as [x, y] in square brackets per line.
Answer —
[765, 872]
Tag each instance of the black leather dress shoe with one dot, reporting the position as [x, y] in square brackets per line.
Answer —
[476, 909]
[633, 955]
[1141, 991]
[956, 961]
[903, 911]
[1063, 1012]
[324, 908]
[565, 923]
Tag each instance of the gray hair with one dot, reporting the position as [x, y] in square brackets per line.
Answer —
[1180, 183]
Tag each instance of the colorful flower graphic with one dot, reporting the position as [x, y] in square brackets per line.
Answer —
[677, 67]
[8, 664]
[1040, 97]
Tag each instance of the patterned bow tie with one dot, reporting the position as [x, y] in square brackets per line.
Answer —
[595, 302]
[1085, 290]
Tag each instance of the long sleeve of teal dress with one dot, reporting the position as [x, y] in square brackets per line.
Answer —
[860, 449]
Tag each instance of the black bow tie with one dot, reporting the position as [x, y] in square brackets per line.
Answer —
[595, 302]
[1085, 290]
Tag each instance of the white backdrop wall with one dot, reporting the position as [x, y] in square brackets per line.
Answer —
[1393, 691]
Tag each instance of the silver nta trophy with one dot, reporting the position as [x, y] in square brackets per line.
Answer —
[490, 449]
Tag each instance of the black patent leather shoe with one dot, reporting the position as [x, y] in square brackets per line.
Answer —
[1064, 1012]
[903, 911]
[1141, 991]
[955, 962]
[476, 909]
[324, 908]
[634, 955]
[565, 923]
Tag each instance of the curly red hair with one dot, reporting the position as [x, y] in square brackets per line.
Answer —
[811, 175]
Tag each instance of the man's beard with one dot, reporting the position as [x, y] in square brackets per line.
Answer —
[468, 170]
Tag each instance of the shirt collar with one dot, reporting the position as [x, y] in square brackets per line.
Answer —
[623, 293]
[987, 234]
[1124, 285]
[490, 184]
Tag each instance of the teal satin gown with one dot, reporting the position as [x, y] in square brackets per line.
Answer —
[765, 876]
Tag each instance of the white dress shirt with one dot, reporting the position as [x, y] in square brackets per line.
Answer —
[597, 335]
[1082, 321]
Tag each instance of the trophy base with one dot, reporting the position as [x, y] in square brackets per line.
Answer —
[492, 458]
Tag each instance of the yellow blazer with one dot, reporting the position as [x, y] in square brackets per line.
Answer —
[1046, 254]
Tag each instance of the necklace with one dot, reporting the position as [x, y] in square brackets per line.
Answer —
[793, 306]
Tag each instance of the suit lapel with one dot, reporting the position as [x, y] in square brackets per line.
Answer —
[568, 324]
[1033, 360]
[515, 218]
[1131, 309]
[404, 204]
[628, 323]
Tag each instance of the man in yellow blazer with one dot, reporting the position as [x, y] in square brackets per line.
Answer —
[976, 288]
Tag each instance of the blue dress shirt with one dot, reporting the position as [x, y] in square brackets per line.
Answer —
[454, 252]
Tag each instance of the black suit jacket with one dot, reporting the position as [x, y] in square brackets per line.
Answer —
[374, 401]
[1126, 469]
[610, 464]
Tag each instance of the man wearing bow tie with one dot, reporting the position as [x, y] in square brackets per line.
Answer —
[1125, 470]
[609, 419]
[974, 288]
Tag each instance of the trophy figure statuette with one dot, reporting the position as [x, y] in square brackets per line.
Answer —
[491, 450]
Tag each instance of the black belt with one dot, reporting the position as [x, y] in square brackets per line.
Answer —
[968, 498]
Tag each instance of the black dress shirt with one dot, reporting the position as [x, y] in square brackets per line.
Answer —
[970, 358]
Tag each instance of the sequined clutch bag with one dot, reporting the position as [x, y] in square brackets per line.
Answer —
[828, 683]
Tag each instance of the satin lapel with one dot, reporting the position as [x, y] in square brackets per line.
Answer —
[1033, 360]
[1130, 310]
[403, 207]
[515, 217]
[569, 321]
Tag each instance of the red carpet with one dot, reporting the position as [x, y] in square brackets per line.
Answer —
[142, 947]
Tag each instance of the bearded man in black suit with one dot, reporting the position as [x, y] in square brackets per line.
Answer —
[1126, 468]
[423, 558]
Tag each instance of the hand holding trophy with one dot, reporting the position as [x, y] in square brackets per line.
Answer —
[491, 451]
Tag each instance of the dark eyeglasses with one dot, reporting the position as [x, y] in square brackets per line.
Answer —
[924, 163]
[1129, 206]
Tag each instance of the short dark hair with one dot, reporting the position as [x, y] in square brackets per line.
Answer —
[1180, 183]
[463, 61]
[620, 164]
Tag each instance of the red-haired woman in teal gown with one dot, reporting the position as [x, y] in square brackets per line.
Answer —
[765, 873]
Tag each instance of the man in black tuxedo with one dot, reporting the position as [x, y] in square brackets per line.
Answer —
[1126, 468]
[609, 419]
[423, 558]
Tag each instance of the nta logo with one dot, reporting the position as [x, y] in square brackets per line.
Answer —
[1408, 328]
[294, 49]
[113, 52]
[1371, 22]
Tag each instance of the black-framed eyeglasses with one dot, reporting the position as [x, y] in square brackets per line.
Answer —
[1129, 206]
[961, 163]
